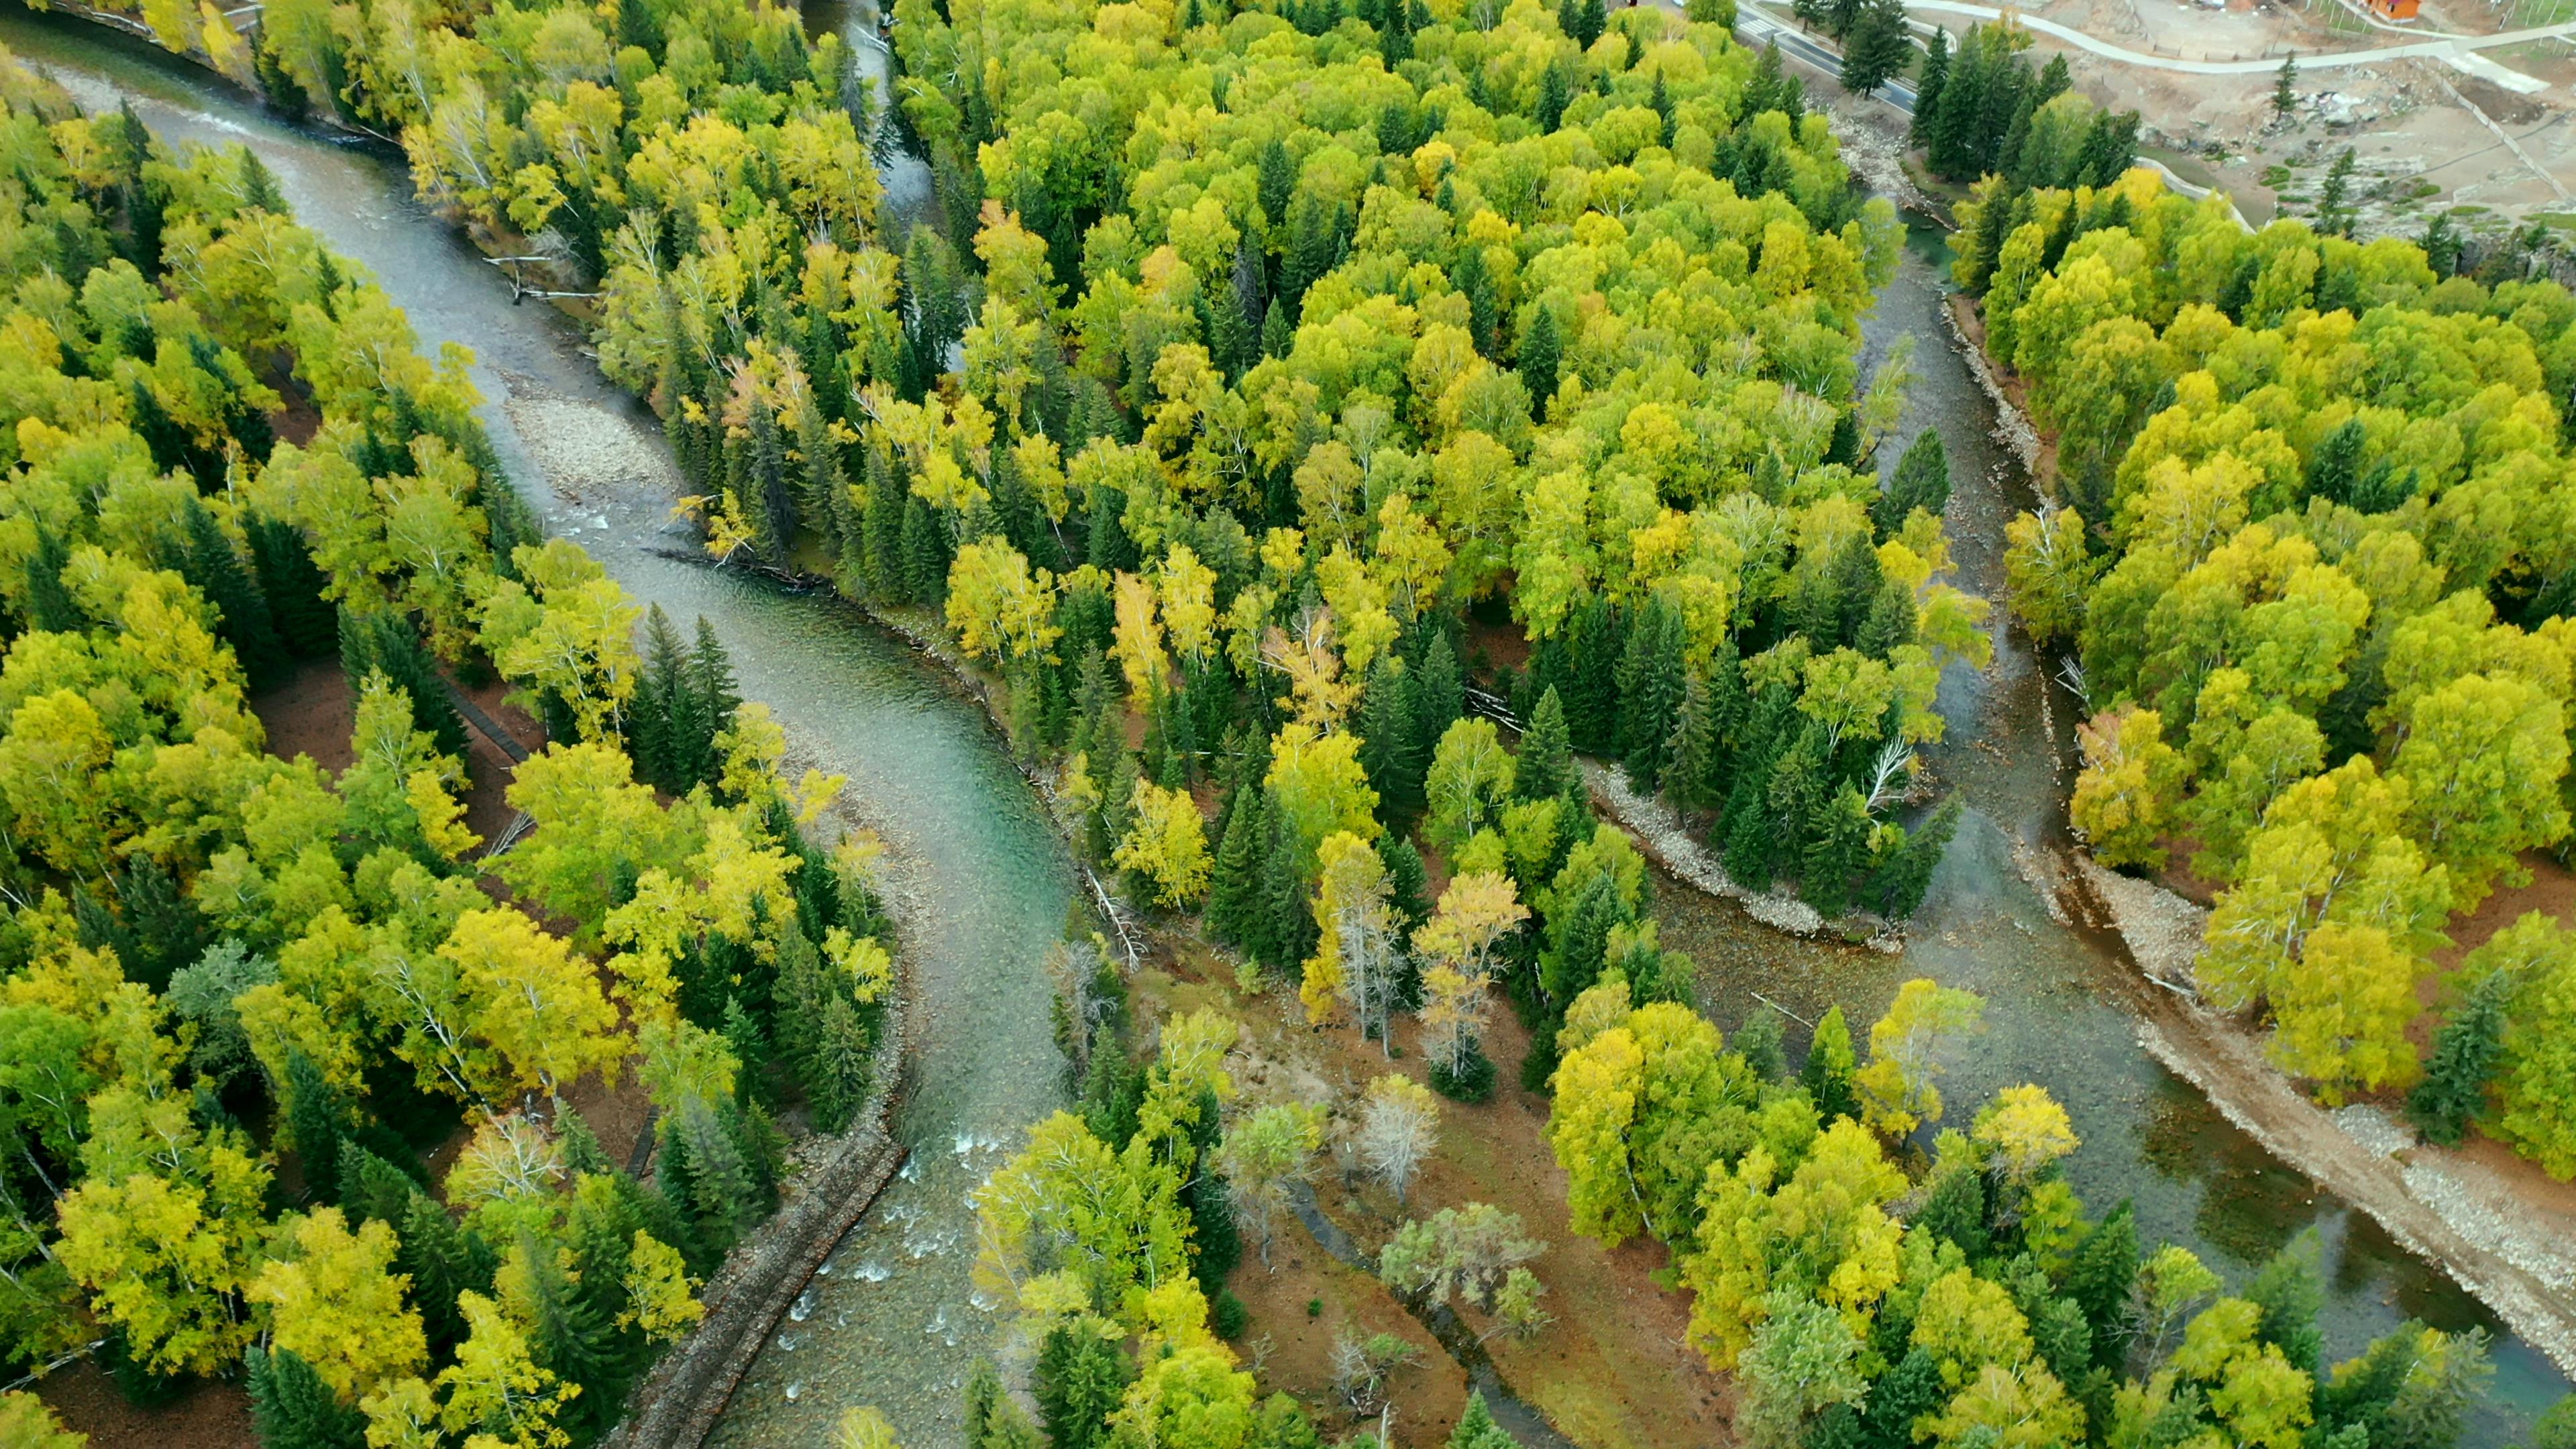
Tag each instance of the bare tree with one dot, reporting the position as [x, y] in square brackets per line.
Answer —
[1399, 1126]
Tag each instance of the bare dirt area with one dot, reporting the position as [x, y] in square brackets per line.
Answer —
[207, 1416]
[310, 713]
[2427, 134]
[1612, 1372]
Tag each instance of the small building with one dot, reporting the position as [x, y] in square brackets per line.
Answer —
[2393, 9]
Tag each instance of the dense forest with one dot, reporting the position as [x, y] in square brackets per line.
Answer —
[245, 1000]
[2310, 549]
[1328, 424]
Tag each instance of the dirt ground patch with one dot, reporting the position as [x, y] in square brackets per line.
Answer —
[309, 713]
[1612, 1372]
[208, 1416]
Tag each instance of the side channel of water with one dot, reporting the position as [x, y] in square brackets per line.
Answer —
[984, 884]
[2059, 998]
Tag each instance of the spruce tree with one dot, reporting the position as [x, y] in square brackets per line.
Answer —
[242, 617]
[1546, 767]
[372, 1188]
[50, 606]
[837, 1081]
[1477, 1429]
[1896, 890]
[1439, 698]
[1541, 354]
[1927, 88]
[1596, 644]
[1288, 926]
[1651, 680]
[925, 553]
[292, 1408]
[660, 693]
[317, 1119]
[1837, 848]
[2454, 1089]
[1696, 743]
[386, 641]
[1234, 880]
[713, 700]
[1590, 19]
[570, 1338]
[1388, 748]
[2291, 1291]
[1080, 1380]
[442, 1259]
[2100, 1277]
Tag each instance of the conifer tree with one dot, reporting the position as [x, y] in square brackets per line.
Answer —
[1439, 697]
[1387, 740]
[837, 1082]
[50, 605]
[443, 1260]
[316, 1118]
[1651, 681]
[1545, 768]
[1837, 848]
[569, 1336]
[1235, 905]
[1896, 890]
[663, 700]
[2454, 1089]
[1477, 1429]
[292, 1408]
[242, 616]
[1927, 87]
[1080, 1380]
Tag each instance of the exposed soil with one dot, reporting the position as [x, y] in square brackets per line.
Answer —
[310, 713]
[207, 1416]
[1612, 1372]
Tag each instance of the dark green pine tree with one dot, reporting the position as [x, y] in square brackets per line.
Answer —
[661, 694]
[1652, 675]
[1546, 767]
[1439, 697]
[1579, 939]
[2335, 464]
[1660, 101]
[1477, 1429]
[881, 528]
[1080, 1380]
[1927, 88]
[1590, 19]
[925, 553]
[1387, 745]
[1889, 622]
[1837, 849]
[1597, 641]
[1275, 330]
[1407, 882]
[1277, 184]
[1877, 49]
[373, 1188]
[292, 1408]
[1475, 281]
[2100, 1277]
[50, 606]
[386, 641]
[2291, 1291]
[713, 700]
[2454, 1089]
[1690, 775]
[571, 1338]
[2029, 94]
[1541, 354]
[1235, 909]
[1555, 93]
[837, 1082]
[1910, 1391]
[241, 613]
[1950, 141]
[1289, 930]
[1896, 890]
[442, 1259]
[1799, 783]
[317, 1119]
[1752, 847]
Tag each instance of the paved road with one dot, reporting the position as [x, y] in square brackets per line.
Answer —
[2440, 48]
[1757, 29]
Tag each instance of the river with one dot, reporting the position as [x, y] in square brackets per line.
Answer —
[983, 886]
